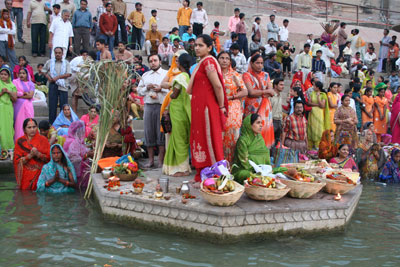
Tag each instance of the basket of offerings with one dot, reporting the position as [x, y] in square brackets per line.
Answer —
[338, 181]
[301, 183]
[260, 187]
[126, 171]
[221, 191]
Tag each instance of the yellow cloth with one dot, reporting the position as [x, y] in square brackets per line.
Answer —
[119, 7]
[137, 19]
[183, 16]
[152, 21]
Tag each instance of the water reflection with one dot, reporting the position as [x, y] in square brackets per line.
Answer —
[65, 230]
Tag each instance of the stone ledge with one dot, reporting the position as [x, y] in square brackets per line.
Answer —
[246, 217]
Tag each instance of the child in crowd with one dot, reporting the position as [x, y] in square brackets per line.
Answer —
[347, 53]
[215, 33]
[394, 81]
[41, 80]
[153, 18]
[310, 39]
[135, 102]
[50, 133]
[24, 64]
[173, 34]
[255, 30]
[344, 66]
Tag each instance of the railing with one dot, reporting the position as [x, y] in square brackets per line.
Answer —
[330, 10]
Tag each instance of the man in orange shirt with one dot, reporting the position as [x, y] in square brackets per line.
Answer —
[183, 17]
[393, 55]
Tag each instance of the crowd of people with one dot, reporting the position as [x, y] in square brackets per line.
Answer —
[216, 101]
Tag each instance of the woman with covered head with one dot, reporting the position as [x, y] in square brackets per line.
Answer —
[57, 176]
[30, 154]
[391, 170]
[23, 107]
[346, 122]
[327, 147]
[64, 120]
[77, 152]
[8, 95]
[90, 119]
[250, 146]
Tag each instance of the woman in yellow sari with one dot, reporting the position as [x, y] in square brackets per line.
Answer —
[319, 118]
[333, 100]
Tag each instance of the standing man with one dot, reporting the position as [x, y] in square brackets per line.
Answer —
[383, 50]
[17, 15]
[136, 19]
[37, 19]
[73, 81]
[319, 67]
[304, 61]
[61, 34]
[199, 19]
[82, 23]
[7, 35]
[284, 32]
[57, 70]
[276, 104]
[234, 20]
[241, 32]
[119, 9]
[294, 134]
[108, 26]
[342, 40]
[65, 4]
[150, 88]
[273, 28]
[183, 17]
[153, 40]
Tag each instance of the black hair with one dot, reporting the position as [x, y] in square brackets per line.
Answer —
[322, 42]
[185, 61]
[26, 121]
[44, 125]
[342, 24]
[358, 53]
[392, 43]
[234, 35]
[236, 10]
[300, 96]
[176, 39]
[23, 69]
[190, 40]
[356, 80]
[152, 55]
[139, 57]
[40, 65]
[357, 88]
[320, 86]
[356, 31]
[101, 41]
[278, 46]
[199, 4]
[342, 145]
[241, 15]
[174, 29]
[57, 6]
[307, 45]
[381, 89]
[254, 117]
[93, 107]
[24, 58]
[348, 42]
[216, 24]
[348, 90]
[233, 63]
[224, 52]
[63, 158]
[3, 58]
[84, 1]
[255, 57]
[138, 4]
[165, 38]
[298, 102]
[272, 15]
[109, 3]
[368, 89]
[208, 41]
[285, 20]
[277, 81]
[83, 51]
[257, 18]
[387, 30]
[332, 84]
[319, 51]
[58, 48]
[153, 11]
[235, 47]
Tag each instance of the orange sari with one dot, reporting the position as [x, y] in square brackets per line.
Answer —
[381, 126]
[327, 149]
[369, 103]
[27, 174]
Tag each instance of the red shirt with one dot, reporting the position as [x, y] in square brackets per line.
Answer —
[108, 23]
[295, 127]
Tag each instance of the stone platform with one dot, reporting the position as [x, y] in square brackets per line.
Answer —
[247, 218]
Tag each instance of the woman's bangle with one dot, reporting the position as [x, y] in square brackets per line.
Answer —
[222, 107]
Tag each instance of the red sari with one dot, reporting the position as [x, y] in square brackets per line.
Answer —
[27, 174]
[395, 120]
[207, 119]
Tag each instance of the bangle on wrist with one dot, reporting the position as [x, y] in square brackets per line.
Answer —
[221, 107]
[46, 184]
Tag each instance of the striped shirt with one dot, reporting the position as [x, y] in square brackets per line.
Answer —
[318, 65]
[295, 127]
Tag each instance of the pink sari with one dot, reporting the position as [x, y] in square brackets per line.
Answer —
[395, 120]
[23, 108]
[89, 124]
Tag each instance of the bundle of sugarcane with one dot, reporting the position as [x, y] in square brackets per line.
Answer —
[105, 80]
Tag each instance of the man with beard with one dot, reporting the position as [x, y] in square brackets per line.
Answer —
[295, 131]
[122, 54]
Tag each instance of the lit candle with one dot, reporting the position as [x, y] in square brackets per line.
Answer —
[337, 197]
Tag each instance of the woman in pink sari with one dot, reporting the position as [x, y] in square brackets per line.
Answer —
[91, 119]
[395, 120]
[77, 152]
[23, 107]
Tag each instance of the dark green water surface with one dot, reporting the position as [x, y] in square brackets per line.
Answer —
[65, 230]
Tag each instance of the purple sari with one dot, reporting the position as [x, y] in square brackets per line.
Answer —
[23, 108]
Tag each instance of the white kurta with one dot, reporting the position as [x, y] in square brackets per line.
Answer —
[62, 31]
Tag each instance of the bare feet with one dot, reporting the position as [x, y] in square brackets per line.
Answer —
[180, 174]
[149, 165]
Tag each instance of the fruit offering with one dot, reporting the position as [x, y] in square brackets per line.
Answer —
[219, 185]
[299, 175]
[259, 180]
[126, 168]
[340, 177]
[138, 183]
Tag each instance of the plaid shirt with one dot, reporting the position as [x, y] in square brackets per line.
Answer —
[295, 127]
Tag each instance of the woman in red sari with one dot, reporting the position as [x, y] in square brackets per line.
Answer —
[32, 151]
[209, 108]
[395, 120]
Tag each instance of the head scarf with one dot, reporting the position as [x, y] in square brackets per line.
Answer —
[8, 23]
[49, 171]
[379, 86]
[62, 120]
[327, 149]
[260, 77]
[24, 87]
[76, 138]
[395, 112]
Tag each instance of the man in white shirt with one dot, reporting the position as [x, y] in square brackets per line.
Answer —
[273, 28]
[199, 19]
[76, 65]
[61, 33]
[56, 15]
[150, 88]
[371, 60]
[7, 50]
[270, 48]
[240, 59]
[284, 32]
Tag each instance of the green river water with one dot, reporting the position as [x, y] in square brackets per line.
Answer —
[65, 230]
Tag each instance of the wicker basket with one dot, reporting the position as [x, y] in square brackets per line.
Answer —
[303, 189]
[335, 187]
[263, 193]
[127, 177]
[223, 200]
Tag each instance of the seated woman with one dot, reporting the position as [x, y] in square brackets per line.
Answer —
[50, 133]
[91, 119]
[343, 160]
[64, 120]
[23, 107]
[78, 153]
[31, 152]
[391, 170]
[327, 147]
[113, 146]
[23, 64]
[250, 146]
[370, 158]
[58, 176]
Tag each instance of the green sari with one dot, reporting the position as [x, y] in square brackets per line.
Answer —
[7, 115]
[318, 120]
[177, 154]
[248, 147]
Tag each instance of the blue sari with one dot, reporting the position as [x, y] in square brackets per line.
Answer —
[49, 171]
[61, 120]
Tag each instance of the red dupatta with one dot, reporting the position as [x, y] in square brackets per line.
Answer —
[27, 174]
